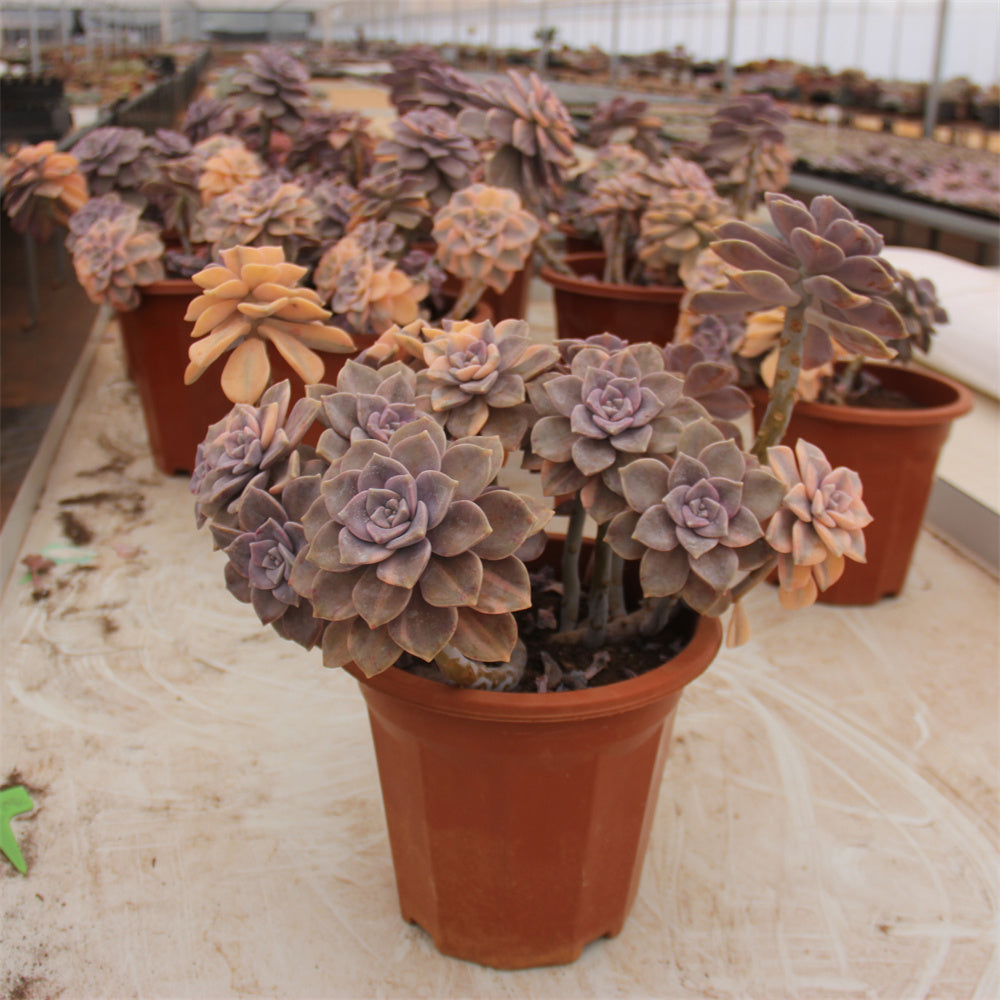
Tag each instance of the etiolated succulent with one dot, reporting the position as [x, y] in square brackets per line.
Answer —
[410, 549]
[697, 522]
[819, 524]
[273, 84]
[366, 289]
[252, 446]
[263, 212]
[367, 404]
[476, 376]
[824, 264]
[428, 145]
[484, 235]
[112, 158]
[746, 153]
[42, 188]
[611, 408]
[249, 300]
[116, 255]
[533, 132]
[262, 549]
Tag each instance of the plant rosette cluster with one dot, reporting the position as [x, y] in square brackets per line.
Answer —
[396, 539]
[376, 221]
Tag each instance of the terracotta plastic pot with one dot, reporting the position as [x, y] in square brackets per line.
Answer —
[156, 338]
[586, 307]
[518, 822]
[895, 452]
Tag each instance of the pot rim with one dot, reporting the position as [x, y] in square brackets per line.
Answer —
[606, 289]
[170, 286]
[921, 416]
[530, 707]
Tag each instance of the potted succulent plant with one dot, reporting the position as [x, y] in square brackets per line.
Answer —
[887, 421]
[654, 216]
[520, 742]
[385, 231]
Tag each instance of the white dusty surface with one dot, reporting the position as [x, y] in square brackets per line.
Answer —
[208, 822]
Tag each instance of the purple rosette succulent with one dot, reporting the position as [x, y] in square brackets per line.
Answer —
[609, 410]
[476, 376]
[697, 523]
[413, 549]
[252, 446]
[824, 265]
[367, 404]
[262, 550]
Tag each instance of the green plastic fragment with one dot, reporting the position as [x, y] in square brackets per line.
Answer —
[13, 801]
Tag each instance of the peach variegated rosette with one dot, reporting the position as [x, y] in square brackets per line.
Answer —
[819, 524]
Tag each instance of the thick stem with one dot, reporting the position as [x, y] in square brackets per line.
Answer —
[571, 566]
[786, 382]
[600, 585]
[617, 594]
[469, 294]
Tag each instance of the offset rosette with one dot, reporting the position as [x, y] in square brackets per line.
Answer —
[263, 212]
[820, 523]
[249, 300]
[823, 263]
[483, 234]
[262, 549]
[366, 288]
[367, 403]
[42, 187]
[252, 446]
[610, 409]
[117, 254]
[411, 549]
[428, 145]
[696, 523]
[477, 373]
[532, 130]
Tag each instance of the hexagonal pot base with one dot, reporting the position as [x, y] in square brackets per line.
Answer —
[519, 822]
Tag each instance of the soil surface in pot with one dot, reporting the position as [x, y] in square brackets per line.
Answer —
[569, 666]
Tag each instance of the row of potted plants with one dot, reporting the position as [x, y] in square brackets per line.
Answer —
[521, 684]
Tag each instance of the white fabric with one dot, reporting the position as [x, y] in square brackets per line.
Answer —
[967, 347]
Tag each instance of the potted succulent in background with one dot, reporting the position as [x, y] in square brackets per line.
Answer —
[655, 216]
[520, 742]
[387, 231]
[887, 421]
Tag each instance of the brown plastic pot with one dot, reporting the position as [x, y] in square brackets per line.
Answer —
[586, 307]
[895, 451]
[518, 822]
[156, 338]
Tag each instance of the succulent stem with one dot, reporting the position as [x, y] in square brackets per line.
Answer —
[470, 293]
[848, 379]
[786, 381]
[553, 259]
[617, 594]
[600, 586]
[571, 566]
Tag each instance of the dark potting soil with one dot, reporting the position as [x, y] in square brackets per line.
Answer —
[560, 666]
